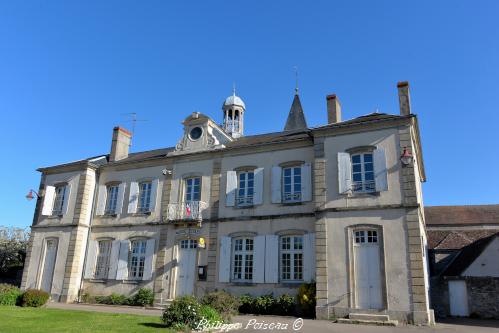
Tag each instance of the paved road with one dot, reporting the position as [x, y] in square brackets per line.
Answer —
[256, 323]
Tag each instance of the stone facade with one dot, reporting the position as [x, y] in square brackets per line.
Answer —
[483, 296]
[257, 214]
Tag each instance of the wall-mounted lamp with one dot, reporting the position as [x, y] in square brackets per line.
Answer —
[30, 196]
[406, 157]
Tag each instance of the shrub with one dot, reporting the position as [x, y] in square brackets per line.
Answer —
[224, 303]
[285, 305]
[210, 314]
[264, 304]
[117, 299]
[246, 304]
[183, 313]
[143, 297]
[9, 294]
[306, 299]
[34, 298]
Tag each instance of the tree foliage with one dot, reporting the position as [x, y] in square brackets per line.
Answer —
[13, 244]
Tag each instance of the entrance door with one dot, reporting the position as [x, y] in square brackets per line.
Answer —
[48, 265]
[458, 298]
[367, 270]
[186, 268]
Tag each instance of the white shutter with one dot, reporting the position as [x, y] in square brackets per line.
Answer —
[231, 188]
[91, 259]
[121, 198]
[259, 259]
[133, 199]
[344, 172]
[154, 195]
[306, 182]
[113, 260]
[148, 265]
[276, 184]
[309, 257]
[224, 267]
[271, 259]
[101, 200]
[67, 194]
[380, 172]
[48, 200]
[258, 187]
[122, 270]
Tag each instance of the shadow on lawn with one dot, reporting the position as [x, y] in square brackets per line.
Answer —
[153, 325]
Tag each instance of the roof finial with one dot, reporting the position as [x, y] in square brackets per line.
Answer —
[233, 89]
[296, 75]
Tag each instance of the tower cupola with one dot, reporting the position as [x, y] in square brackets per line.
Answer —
[233, 109]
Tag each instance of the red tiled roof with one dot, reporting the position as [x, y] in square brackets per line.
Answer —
[459, 215]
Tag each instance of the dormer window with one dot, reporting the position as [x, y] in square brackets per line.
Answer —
[195, 133]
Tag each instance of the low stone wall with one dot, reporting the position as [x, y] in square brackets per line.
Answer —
[483, 296]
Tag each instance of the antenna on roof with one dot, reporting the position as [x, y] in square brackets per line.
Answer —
[133, 120]
[296, 76]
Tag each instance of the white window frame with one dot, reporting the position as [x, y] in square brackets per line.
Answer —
[291, 268]
[365, 237]
[137, 259]
[145, 193]
[192, 191]
[242, 259]
[111, 199]
[245, 192]
[294, 195]
[59, 198]
[188, 244]
[364, 185]
[103, 258]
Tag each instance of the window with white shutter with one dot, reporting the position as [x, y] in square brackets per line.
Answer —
[60, 198]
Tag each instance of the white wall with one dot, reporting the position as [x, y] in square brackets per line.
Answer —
[487, 263]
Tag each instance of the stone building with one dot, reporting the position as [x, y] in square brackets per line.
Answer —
[338, 204]
[464, 269]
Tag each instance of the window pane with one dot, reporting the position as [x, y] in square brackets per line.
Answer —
[368, 157]
[356, 159]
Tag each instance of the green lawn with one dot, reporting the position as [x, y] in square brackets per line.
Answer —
[15, 319]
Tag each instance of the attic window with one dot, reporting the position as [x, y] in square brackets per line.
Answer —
[195, 133]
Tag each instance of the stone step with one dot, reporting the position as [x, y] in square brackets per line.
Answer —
[367, 322]
[368, 316]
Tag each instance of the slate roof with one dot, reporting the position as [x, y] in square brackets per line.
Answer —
[467, 255]
[296, 118]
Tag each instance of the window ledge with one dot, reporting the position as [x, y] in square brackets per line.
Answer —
[244, 206]
[292, 203]
[132, 281]
[142, 214]
[363, 194]
[291, 283]
[243, 284]
[55, 217]
[97, 280]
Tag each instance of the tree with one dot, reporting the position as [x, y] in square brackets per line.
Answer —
[13, 244]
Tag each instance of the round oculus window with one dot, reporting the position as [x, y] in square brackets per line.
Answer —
[195, 133]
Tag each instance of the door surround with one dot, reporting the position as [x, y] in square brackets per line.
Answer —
[191, 244]
[350, 234]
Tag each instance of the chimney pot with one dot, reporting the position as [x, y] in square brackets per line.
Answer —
[333, 109]
[404, 98]
[120, 144]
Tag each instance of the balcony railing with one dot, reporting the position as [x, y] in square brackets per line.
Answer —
[187, 211]
[367, 186]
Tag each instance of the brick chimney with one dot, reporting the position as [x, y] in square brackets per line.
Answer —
[120, 144]
[404, 98]
[333, 109]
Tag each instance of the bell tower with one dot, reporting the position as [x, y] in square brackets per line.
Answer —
[233, 109]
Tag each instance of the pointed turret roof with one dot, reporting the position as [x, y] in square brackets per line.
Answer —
[296, 118]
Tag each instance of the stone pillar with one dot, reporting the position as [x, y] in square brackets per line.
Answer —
[415, 235]
[320, 198]
[211, 277]
[78, 238]
[160, 288]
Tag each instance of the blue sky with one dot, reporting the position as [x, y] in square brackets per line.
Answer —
[70, 70]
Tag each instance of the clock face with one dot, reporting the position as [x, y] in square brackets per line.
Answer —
[196, 133]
